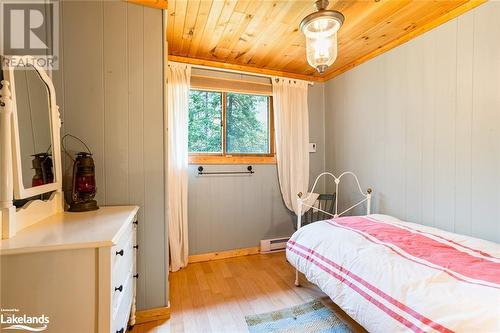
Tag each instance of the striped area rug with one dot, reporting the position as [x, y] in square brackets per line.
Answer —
[312, 317]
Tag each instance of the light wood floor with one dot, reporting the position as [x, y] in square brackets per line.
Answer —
[216, 296]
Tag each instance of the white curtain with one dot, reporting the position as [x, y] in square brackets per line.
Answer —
[291, 121]
[178, 77]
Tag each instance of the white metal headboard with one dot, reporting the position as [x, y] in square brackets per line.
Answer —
[302, 201]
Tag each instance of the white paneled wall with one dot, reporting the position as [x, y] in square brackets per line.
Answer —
[235, 211]
[421, 124]
[109, 88]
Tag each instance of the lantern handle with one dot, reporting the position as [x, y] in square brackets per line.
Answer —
[76, 138]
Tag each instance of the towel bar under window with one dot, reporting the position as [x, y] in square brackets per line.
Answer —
[249, 171]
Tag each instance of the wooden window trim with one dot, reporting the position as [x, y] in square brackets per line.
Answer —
[231, 159]
[224, 158]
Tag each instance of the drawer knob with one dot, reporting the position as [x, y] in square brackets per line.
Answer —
[121, 330]
[135, 222]
[136, 276]
[120, 288]
[119, 253]
[136, 247]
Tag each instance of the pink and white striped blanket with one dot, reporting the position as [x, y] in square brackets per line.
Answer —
[394, 276]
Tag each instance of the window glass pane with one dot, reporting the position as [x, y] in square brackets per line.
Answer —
[205, 116]
[247, 123]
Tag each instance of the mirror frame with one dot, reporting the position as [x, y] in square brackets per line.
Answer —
[20, 192]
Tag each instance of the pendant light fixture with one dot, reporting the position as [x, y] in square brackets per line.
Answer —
[320, 29]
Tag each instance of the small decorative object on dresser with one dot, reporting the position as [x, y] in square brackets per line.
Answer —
[84, 188]
[83, 183]
[42, 164]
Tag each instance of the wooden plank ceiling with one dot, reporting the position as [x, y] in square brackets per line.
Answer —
[264, 36]
[158, 4]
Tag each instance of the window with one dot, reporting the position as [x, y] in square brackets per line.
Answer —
[205, 119]
[227, 127]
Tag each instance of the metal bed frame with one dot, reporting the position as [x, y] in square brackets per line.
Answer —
[301, 202]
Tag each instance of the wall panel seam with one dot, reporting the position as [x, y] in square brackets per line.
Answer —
[456, 125]
[472, 117]
[103, 79]
[145, 225]
[127, 60]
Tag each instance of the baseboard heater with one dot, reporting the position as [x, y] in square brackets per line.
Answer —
[273, 245]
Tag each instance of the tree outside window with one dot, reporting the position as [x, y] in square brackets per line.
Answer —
[227, 123]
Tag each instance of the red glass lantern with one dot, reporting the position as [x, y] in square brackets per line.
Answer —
[84, 188]
[42, 164]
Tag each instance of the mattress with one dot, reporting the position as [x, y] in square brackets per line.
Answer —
[395, 276]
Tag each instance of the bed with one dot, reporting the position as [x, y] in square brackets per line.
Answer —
[395, 276]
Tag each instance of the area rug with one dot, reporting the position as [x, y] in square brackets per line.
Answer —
[312, 317]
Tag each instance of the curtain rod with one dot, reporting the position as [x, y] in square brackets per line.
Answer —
[236, 71]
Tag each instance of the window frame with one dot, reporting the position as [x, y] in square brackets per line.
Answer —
[237, 158]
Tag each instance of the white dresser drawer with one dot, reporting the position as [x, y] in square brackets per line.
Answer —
[124, 264]
[122, 303]
[122, 279]
[119, 249]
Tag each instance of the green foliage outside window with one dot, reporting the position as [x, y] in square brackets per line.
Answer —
[247, 123]
[205, 117]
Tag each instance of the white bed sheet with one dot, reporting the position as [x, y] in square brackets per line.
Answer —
[394, 276]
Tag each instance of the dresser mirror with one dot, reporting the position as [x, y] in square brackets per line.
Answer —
[36, 126]
[33, 120]
[30, 159]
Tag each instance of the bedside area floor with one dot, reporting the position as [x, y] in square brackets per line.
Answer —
[215, 296]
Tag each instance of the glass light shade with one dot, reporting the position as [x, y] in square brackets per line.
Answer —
[320, 30]
[321, 52]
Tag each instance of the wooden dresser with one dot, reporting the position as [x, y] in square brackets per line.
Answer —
[78, 269]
